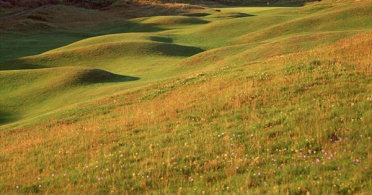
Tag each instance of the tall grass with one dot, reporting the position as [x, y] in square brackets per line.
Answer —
[297, 122]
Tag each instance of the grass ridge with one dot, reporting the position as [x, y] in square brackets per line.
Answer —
[231, 106]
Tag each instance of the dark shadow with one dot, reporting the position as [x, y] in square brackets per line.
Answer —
[197, 14]
[177, 50]
[18, 64]
[6, 116]
[161, 39]
[233, 15]
[101, 76]
[242, 15]
[179, 21]
[127, 27]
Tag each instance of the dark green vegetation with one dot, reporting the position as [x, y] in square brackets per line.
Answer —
[248, 100]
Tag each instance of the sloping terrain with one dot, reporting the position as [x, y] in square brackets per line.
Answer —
[234, 100]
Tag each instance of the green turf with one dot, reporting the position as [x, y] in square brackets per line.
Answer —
[266, 100]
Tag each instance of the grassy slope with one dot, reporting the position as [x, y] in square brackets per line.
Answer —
[273, 103]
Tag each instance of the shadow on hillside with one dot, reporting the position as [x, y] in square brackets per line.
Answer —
[122, 78]
[18, 64]
[101, 76]
[89, 75]
[177, 50]
[228, 15]
[6, 117]
[14, 46]
[243, 15]
[161, 39]
[128, 27]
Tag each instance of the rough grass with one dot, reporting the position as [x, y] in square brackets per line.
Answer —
[289, 113]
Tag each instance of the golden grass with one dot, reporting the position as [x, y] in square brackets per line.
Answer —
[246, 119]
[203, 120]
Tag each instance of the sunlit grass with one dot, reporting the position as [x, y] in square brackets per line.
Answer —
[292, 120]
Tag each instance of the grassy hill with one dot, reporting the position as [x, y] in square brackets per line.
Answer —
[234, 100]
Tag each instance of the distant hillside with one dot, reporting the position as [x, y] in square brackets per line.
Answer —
[104, 3]
[37, 3]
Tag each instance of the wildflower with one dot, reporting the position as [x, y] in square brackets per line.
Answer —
[86, 166]
[252, 135]
[40, 186]
[64, 175]
[338, 168]
[317, 160]
[148, 176]
[38, 178]
[53, 175]
[259, 173]
[17, 187]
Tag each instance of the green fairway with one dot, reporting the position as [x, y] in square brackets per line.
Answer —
[226, 100]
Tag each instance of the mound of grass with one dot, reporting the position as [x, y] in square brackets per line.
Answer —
[48, 85]
[90, 53]
[117, 49]
[350, 17]
[78, 76]
[249, 112]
